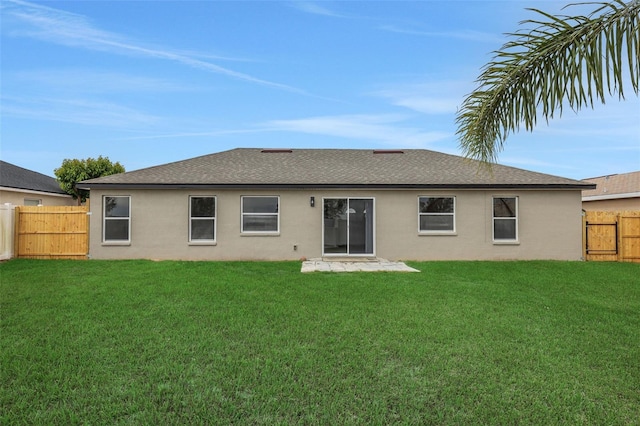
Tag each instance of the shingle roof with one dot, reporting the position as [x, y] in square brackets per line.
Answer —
[615, 186]
[325, 168]
[12, 176]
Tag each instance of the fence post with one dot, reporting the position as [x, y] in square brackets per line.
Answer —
[619, 237]
[16, 234]
[87, 204]
[6, 231]
[584, 235]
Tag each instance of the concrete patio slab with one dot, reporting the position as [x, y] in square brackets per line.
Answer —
[368, 265]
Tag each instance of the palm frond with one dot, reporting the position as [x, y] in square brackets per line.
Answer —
[570, 61]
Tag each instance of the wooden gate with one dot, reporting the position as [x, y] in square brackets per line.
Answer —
[612, 236]
[51, 232]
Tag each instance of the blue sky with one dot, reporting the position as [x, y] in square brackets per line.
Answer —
[151, 82]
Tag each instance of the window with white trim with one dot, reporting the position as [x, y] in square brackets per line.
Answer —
[116, 218]
[32, 202]
[436, 214]
[505, 218]
[260, 214]
[202, 218]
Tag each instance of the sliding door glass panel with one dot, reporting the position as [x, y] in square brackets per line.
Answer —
[335, 226]
[360, 226]
[348, 226]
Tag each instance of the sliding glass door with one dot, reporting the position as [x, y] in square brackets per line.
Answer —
[348, 226]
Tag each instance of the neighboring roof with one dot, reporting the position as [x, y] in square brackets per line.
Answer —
[331, 168]
[623, 185]
[12, 176]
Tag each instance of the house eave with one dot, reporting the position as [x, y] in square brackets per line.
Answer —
[370, 186]
[611, 196]
[34, 191]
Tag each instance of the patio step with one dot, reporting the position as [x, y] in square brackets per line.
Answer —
[351, 259]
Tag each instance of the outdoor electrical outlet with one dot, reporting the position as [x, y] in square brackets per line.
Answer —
[295, 247]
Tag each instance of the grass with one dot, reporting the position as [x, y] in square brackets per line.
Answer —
[140, 342]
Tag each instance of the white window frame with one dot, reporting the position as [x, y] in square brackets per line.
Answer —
[105, 219]
[515, 219]
[213, 218]
[437, 232]
[30, 201]
[243, 214]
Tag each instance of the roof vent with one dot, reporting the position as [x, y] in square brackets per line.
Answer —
[388, 151]
[276, 150]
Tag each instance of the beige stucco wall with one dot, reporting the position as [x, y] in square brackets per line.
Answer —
[17, 198]
[619, 204]
[549, 226]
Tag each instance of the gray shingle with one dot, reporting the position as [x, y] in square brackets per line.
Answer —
[332, 168]
[624, 183]
[12, 176]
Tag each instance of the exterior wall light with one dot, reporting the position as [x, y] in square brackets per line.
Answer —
[312, 201]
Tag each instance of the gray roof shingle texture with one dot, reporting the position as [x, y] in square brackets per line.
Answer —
[331, 167]
[624, 183]
[12, 176]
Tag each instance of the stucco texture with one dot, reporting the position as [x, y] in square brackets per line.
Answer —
[549, 226]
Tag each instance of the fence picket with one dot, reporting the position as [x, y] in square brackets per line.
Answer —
[53, 232]
[630, 238]
[612, 236]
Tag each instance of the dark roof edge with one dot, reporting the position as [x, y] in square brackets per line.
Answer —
[22, 189]
[581, 186]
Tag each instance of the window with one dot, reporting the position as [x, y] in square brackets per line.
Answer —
[437, 214]
[260, 214]
[202, 218]
[32, 202]
[117, 219]
[505, 218]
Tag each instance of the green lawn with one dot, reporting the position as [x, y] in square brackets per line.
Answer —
[141, 342]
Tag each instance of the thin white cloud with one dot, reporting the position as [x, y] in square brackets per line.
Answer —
[437, 97]
[590, 130]
[534, 164]
[385, 128]
[90, 81]
[616, 121]
[213, 133]
[69, 29]
[314, 8]
[467, 35]
[77, 111]
[428, 105]
[633, 147]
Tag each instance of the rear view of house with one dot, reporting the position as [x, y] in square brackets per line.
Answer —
[278, 204]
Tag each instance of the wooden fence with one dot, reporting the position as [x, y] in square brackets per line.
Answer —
[612, 236]
[51, 232]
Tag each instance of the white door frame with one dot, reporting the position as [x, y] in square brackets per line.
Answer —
[373, 228]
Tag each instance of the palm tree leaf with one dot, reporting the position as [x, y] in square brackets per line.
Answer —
[561, 60]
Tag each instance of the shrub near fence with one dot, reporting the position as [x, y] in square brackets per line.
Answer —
[51, 232]
[612, 236]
